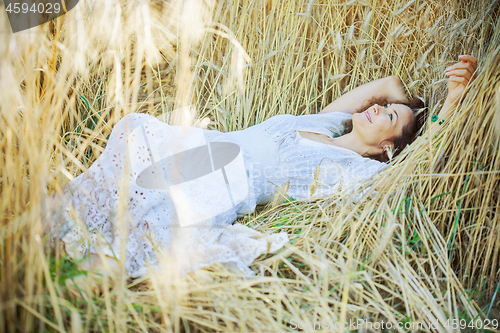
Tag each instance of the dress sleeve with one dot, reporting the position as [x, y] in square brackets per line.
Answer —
[331, 124]
[350, 175]
[336, 176]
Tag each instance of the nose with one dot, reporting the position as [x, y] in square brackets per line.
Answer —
[376, 109]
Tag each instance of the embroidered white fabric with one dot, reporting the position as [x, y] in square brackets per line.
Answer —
[273, 153]
[295, 159]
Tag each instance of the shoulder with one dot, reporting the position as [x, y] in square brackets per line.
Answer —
[277, 119]
[327, 115]
[357, 165]
[327, 119]
[280, 117]
[368, 167]
[335, 115]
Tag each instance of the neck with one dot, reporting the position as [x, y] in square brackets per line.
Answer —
[351, 141]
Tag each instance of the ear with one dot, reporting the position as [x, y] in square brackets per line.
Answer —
[387, 144]
[388, 148]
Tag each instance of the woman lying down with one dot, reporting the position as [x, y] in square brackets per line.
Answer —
[173, 192]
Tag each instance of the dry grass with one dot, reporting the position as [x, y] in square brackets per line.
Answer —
[425, 249]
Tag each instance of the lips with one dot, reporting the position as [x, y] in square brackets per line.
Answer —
[368, 116]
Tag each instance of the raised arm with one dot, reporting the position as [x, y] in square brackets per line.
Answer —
[388, 88]
[459, 76]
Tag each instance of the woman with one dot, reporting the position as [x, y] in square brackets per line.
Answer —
[160, 189]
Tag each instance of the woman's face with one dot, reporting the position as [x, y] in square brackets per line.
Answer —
[378, 125]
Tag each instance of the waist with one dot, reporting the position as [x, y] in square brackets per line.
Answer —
[259, 151]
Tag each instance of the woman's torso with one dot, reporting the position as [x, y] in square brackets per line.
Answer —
[321, 138]
[275, 152]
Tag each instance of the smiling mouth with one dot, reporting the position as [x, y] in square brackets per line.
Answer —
[368, 116]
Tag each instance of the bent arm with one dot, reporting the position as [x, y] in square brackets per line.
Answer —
[459, 76]
[421, 140]
[389, 88]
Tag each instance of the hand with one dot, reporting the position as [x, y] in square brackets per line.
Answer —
[460, 75]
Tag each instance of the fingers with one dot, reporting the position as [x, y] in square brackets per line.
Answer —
[459, 79]
[460, 72]
[464, 69]
[470, 59]
[462, 65]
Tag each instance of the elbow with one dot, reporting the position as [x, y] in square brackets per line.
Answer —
[395, 89]
[394, 79]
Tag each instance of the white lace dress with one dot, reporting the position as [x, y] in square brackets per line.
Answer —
[297, 158]
[182, 189]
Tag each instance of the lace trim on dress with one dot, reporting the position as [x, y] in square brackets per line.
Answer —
[88, 220]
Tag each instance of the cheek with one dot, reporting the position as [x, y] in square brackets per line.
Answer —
[384, 127]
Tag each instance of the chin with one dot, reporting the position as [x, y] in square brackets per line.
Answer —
[355, 119]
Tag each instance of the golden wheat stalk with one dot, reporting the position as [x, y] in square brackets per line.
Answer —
[414, 251]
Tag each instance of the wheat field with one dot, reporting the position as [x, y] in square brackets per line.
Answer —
[423, 249]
